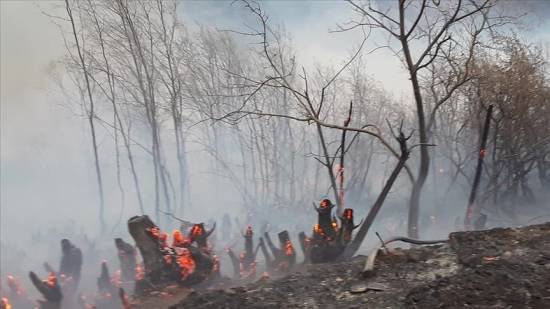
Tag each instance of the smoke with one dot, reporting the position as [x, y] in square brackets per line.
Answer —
[47, 180]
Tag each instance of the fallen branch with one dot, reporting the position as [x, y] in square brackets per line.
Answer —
[369, 265]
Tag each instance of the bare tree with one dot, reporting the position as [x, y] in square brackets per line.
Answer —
[426, 31]
[90, 113]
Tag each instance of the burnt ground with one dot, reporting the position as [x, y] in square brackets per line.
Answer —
[498, 268]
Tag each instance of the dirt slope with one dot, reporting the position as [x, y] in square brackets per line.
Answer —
[499, 268]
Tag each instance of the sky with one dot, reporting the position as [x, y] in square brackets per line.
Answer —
[41, 141]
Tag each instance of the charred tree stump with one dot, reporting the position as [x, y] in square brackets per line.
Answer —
[50, 290]
[329, 240]
[347, 226]
[285, 256]
[104, 283]
[234, 262]
[153, 260]
[305, 244]
[473, 210]
[269, 260]
[107, 291]
[164, 264]
[127, 258]
[70, 267]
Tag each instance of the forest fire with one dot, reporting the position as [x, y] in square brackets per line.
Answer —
[439, 113]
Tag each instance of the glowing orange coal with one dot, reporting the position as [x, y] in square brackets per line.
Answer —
[187, 264]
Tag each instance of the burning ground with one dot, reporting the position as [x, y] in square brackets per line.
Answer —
[498, 268]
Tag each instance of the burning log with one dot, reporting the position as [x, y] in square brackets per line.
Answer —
[127, 258]
[50, 289]
[164, 264]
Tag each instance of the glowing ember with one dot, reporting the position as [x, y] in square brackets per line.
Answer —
[6, 303]
[491, 258]
[186, 263]
[178, 240]
[139, 273]
[52, 280]
[216, 266]
[334, 225]
[348, 213]
[197, 230]
[167, 259]
[115, 280]
[155, 232]
[15, 286]
[163, 238]
[289, 250]
[318, 230]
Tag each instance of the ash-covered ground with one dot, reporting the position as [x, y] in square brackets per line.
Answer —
[498, 268]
